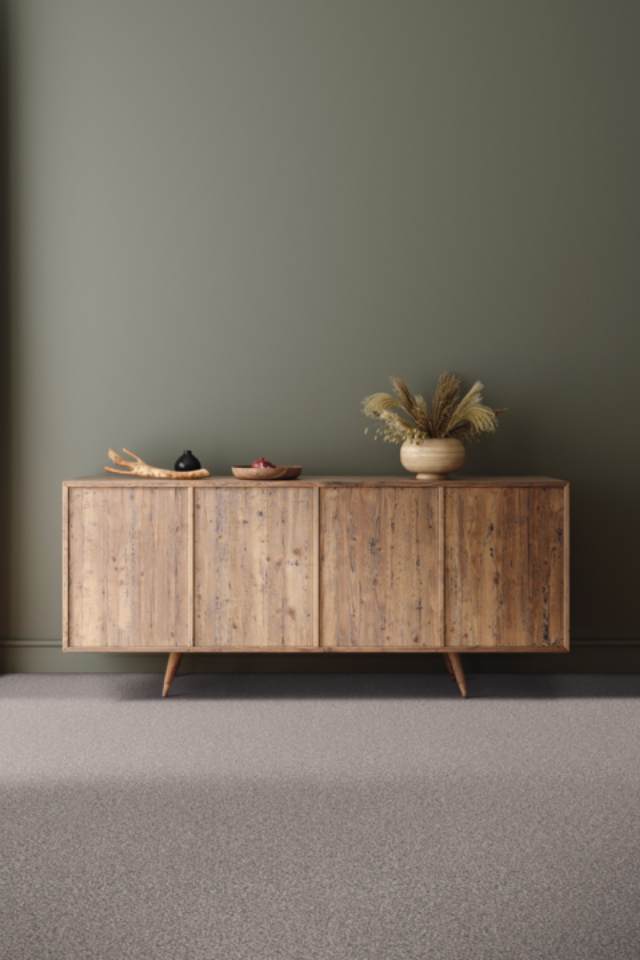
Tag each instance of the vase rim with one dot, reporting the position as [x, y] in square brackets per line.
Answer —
[420, 443]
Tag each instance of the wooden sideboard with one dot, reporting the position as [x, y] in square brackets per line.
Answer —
[326, 564]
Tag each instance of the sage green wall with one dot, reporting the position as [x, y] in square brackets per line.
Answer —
[231, 220]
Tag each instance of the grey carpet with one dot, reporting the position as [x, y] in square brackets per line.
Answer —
[330, 817]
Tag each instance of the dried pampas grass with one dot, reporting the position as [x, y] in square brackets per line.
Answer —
[403, 415]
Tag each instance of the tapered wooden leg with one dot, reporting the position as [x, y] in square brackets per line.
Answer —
[454, 666]
[172, 668]
[447, 664]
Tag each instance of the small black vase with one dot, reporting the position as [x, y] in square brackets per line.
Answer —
[187, 462]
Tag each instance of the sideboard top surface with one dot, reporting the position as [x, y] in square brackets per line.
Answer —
[328, 481]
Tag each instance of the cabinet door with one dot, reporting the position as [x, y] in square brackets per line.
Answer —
[505, 567]
[127, 570]
[255, 567]
[380, 577]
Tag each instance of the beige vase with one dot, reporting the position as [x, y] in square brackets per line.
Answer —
[432, 459]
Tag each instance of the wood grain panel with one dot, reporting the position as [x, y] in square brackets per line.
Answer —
[255, 567]
[128, 577]
[505, 567]
[406, 480]
[379, 567]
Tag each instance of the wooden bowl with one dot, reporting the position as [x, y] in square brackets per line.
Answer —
[266, 473]
[292, 473]
[259, 473]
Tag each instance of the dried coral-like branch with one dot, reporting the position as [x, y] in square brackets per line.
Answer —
[136, 467]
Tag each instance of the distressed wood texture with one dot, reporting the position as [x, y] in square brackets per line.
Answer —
[254, 567]
[127, 578]
[352, 564]
[379, 569]
[506, 553]
[405, 480]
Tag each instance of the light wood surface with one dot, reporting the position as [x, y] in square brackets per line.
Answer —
[319, 651]
[505, 568]
[328, 565]
[316, 566]
[173, 662]
[329, 481]
[566, 571]
[379, 567]
[66, 493]
[254, 567]
[454, 666]
[128, 576]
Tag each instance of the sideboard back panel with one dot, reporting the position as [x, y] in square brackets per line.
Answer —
[254, 567]
[380, 567]
[128, 577]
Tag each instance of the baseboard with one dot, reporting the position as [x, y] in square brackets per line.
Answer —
[586, 656]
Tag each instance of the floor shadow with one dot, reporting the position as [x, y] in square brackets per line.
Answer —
[227, 686]
[187, 687]
[396, 686]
